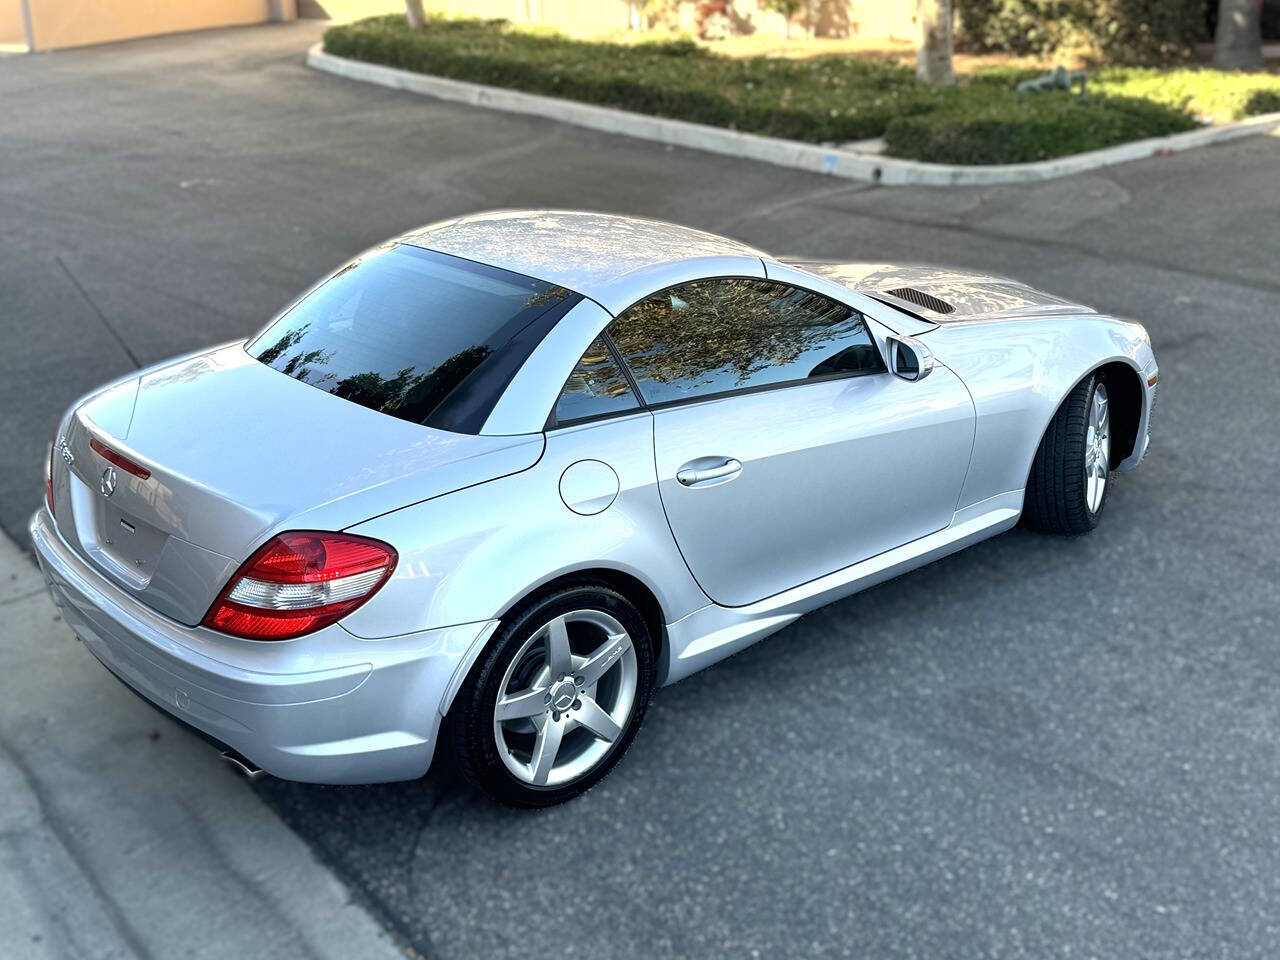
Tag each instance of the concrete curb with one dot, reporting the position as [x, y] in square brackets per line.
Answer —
[835, 161]
[122, 835]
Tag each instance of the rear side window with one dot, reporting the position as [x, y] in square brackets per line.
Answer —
[415, 334]
[718, 336]
[596, 388]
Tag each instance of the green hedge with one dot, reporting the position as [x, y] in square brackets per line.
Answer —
[819, 99]
[1053, 125]
[1116, 31]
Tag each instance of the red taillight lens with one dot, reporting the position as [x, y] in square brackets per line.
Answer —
[48, 475]
[299, 582]
[119, 459]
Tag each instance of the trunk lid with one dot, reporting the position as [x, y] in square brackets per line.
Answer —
[236, 452]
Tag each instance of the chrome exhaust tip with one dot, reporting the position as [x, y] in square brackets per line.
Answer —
[243, 765]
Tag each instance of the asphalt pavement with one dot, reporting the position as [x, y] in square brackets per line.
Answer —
[1036, 748]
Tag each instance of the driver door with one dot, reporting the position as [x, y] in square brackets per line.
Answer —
[784, 448]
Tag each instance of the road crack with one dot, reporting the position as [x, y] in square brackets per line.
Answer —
[115, 334]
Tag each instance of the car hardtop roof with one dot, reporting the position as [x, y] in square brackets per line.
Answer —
[610, 258]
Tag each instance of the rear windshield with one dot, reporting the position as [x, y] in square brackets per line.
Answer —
[415, 334]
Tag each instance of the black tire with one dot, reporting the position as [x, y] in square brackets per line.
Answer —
[470, 724]
[1056, 499]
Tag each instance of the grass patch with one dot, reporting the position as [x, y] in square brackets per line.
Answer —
[820, 99]
[1214, 94]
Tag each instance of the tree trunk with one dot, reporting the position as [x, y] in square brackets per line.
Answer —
[413, 13]
[933, 57]
[1237, 43]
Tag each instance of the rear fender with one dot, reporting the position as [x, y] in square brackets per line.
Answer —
[470, 555]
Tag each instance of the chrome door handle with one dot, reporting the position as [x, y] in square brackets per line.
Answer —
[690, 475]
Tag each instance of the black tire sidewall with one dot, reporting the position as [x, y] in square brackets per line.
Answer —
[1056, 498]
[472, 715]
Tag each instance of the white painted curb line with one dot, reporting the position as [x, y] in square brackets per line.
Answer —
[838, 162]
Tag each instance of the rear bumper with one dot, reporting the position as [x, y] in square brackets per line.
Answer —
[328, 707]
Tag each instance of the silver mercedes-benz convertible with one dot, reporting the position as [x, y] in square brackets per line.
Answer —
[489, 484]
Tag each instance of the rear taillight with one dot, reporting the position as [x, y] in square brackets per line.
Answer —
[48, 475]
[119, 459]
[298, 582]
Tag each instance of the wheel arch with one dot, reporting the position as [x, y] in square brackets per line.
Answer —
[625, 583]
[1124, 385]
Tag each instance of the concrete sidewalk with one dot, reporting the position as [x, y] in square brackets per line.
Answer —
[122, 835]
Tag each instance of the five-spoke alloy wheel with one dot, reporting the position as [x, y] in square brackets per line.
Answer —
[1097, 453]
[560, 711]
[556, 698]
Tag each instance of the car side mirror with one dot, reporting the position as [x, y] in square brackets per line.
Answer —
[909, 359]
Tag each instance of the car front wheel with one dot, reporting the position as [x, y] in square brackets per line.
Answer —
[1070, 477]
[557, 696]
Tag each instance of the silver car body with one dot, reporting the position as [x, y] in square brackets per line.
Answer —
[854, 481]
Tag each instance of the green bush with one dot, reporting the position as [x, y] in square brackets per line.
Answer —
[821, 99]
[1116, 31]
[1046, 126]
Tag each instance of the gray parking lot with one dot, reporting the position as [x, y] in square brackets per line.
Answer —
[1037, 748]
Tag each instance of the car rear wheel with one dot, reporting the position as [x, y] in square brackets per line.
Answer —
[556, 698]
[1070, 477]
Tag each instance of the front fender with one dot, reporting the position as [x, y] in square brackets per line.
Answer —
[1019, 372]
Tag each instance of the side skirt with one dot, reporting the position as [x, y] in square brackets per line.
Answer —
[714, 632]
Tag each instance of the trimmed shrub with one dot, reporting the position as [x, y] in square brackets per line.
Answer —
[831, 98]
[1051, 125]
[820, 99]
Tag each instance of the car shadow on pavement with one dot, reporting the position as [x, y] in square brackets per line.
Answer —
[783, 754]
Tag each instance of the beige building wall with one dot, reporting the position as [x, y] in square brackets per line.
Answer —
[56, 24]
[11, 29]
[571, 16]
[343, 11]
[832, 18]
[74, 23]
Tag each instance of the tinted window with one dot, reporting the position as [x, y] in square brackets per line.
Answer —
[714, 336]
[408, 332]
[596, 387]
